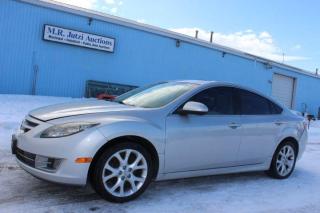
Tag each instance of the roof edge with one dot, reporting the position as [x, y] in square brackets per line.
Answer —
[160, 31]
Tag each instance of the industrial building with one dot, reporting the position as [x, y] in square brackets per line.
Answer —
[49, 48]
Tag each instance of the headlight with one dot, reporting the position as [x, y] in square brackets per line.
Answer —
[66, 129]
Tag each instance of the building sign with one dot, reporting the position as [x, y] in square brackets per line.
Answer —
[77, 38]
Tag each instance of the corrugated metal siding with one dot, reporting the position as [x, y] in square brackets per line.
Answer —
[139, 58]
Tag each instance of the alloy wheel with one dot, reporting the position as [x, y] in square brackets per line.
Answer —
[285, 160]
[125, 172]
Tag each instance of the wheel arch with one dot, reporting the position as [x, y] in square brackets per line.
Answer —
[291, 139]
[132, 138]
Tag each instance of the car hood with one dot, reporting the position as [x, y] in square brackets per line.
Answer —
[77, 108]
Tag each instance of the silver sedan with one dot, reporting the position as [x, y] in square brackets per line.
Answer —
[168, 130]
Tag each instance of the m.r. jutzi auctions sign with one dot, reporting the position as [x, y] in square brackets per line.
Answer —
[77, 38]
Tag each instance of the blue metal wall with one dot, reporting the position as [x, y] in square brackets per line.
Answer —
[139, 58]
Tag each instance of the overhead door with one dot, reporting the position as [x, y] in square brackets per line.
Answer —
[283, 89]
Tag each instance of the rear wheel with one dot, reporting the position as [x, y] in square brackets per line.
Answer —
[284, 160]
[122, 172]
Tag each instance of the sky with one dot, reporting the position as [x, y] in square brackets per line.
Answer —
[282, 30]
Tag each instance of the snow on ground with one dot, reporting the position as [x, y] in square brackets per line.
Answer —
[248, 192]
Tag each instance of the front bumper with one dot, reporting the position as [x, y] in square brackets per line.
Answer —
[60, 177]
[65, 149]
[14, 142]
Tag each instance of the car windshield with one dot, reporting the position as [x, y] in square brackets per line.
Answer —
[156, 95]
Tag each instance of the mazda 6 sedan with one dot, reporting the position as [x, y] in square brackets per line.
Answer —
[168, 130]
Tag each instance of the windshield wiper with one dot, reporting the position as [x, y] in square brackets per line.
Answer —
[121, 102]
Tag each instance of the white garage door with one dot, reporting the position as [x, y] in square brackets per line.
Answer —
[282, 89]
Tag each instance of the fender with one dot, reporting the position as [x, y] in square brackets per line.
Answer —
[287, 132]
[135, 127]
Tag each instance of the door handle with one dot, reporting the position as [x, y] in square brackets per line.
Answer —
[234, 125]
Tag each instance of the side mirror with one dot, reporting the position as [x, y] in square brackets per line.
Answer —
[193, 107]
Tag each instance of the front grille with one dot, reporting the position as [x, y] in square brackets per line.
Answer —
[38, 161]
[26, 157]
[28, 124]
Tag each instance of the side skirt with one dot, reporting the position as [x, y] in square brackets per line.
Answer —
[216, 171]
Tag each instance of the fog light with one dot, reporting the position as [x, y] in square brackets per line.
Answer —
[46, 163]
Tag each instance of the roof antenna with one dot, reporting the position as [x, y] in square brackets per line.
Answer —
[211, 36]
[197, 32]
[317, 71]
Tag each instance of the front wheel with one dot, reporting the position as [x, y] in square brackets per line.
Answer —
[284, 160]
[122, 172]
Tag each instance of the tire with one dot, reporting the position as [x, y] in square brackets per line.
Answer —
[283, 161]
[119, 176]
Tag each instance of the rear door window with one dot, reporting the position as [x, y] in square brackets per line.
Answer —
[254, 104]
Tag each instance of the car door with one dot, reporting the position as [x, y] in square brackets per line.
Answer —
[260, 127]
[196, 142]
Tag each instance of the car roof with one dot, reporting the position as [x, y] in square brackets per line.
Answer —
[218, 83]
[207, 82]
[200, 82]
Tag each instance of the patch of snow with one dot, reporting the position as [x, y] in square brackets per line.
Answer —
[314, 133]
[247, 192]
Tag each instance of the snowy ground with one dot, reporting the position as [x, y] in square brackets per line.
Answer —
[249, 192]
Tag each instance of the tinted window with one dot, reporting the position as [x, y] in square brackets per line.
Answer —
[219, 100]
[253, 104]
[275, 109]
